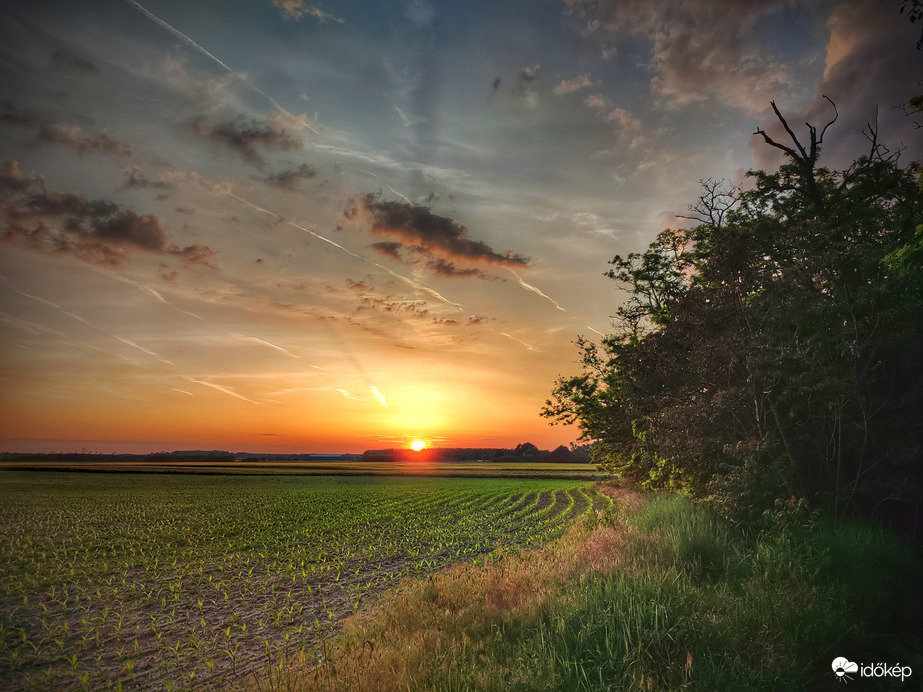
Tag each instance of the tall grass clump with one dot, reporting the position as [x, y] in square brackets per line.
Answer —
[667, 597]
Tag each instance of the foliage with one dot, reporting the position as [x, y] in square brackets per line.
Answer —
[775, 349]
[673, 600]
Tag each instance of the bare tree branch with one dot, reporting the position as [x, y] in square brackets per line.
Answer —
[836, 114]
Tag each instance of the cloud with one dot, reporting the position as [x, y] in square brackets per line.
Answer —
[418, 226]
[629, 127]
[12, 180]
[206, 90]
[245, 136]
[96, 231]
[72, 61]
[699, 49]
[576, 84]
[389, 249]
[144, 230]
[419, 12]
[867, 72]
[528, 77]
[288, 179]
[136, 178]
[389, 304]
[298, 9]
[74, 136]
[16, 116]
[868, 64]
[192, 254]
[447, 269]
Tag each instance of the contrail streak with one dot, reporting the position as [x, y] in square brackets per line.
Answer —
[72, 315]
[348, 395]
[147, 289]
[595, 330]
[182, 391]
[411, 282]
[378, 395]
[530, 287]
[531, 348]
[265, 343]
[141, 348]
[401, 195]
[188, 41]
[229, 392]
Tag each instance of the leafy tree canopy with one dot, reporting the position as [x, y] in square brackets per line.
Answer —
[775, 349]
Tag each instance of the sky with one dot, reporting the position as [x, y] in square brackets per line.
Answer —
[272, 225]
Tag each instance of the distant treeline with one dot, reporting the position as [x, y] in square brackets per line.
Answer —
[523, 452]
[526, 452]
[196, 455]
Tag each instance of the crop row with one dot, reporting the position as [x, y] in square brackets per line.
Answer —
[171, 582]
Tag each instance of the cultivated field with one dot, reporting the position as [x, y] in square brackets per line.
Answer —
[156, 581]
[440, 469]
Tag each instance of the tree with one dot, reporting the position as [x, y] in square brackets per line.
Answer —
[560, 454]
[525, 450]
[914, 10]
[774, 349]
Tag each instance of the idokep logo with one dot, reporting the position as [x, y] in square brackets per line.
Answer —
[843, 667]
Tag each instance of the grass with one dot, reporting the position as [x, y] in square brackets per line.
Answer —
[661, 598]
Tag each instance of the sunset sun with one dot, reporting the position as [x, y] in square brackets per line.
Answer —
[418, 445]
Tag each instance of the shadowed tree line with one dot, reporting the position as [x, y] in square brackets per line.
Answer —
[183, 456]
[775, 349]
[525, 451]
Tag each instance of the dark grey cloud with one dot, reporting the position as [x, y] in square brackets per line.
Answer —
[11, 113]
[12, 179]
[98, 231]
[288, 179]
[72, 61]
[449, 270]
[246, 136]
[389, 249]
[419, 227]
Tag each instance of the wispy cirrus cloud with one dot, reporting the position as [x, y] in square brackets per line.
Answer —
[72, 61]
[74, 136]
[528, 80]
[567, 86]
[299, 9]
[699, 49]
[629, 128]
